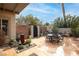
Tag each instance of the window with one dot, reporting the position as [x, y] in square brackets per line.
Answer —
[4, 25]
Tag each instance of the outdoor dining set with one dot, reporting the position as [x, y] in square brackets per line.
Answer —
[54, 37]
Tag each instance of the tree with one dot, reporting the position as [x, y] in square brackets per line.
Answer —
[32, 20]
[59, 22]
[71, 22]
[20, 20]
[46, 24]
[63, 12]
[29, 19]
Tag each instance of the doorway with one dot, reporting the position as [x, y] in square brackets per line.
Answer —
[35, 32]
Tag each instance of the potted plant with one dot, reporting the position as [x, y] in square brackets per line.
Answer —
[29, 40]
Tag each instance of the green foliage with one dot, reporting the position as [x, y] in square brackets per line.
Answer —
[20, 47]
[30, 39]
[55, 29]
[46, 24]
[12, 42]
[20, 20]
[75, 31]
[71, 22]
[29, 19]
[59, 22]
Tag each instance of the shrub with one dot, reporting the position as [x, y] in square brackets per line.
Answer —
[55, 29]
[75, 31]
[20, 47]
[29, 41]
[71, 22]
[11, 42]
[30, 37]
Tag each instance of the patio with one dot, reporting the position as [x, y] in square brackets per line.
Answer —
[43, 48]
[69, 48]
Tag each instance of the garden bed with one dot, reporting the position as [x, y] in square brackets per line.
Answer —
[25, 47]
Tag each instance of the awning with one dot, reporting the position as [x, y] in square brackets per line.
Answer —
[13, 7]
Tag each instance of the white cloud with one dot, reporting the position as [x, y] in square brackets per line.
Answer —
[44, 12]
[40, 10]
[69, 12]
[72, 12]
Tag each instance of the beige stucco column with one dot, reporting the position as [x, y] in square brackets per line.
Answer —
[11, 23]
[12, 27]
[32, 31]
[38, 28]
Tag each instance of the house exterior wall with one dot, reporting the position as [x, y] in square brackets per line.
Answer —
[11, 23]
[64, 30]
[41, 31]
[38, 27]
[23, 29]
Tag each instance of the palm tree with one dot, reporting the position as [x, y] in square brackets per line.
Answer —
[63, 12]
[29, 19]
[20, 20]
[32, 20]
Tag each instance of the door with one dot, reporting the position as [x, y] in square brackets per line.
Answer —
[35, 32]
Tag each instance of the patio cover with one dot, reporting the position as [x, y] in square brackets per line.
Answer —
[13, 7]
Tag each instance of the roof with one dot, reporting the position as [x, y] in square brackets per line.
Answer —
[13, 7]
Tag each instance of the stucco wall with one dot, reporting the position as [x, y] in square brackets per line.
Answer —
[11, 23]
[64, 30]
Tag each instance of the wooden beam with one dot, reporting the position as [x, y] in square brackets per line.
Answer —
[1, 9]
[15, 7]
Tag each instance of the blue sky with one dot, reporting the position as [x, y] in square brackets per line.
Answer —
[47, 12]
